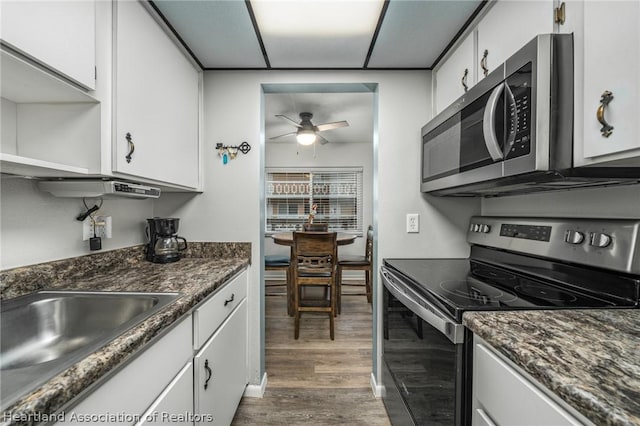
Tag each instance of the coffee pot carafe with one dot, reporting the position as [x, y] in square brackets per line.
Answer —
[164, 245]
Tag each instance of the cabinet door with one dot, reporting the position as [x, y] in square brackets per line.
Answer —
[450, 75]
[157, 101]
[174, 403]
[220, 374]
[611, 63]
[508, 26]
[503, 396]
[58, 34]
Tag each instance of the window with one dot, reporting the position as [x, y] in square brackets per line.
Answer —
[290, 193]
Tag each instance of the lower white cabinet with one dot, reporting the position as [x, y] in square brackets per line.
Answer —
[166, 384]
[220, 374]
[125, 396]
[175, 403]
[502, 395]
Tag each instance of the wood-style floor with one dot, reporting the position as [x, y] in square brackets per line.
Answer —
[314, 380]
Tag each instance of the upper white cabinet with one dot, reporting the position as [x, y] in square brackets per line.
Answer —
[156, 102]
[503, 29]
[607, 80]
[508, 26]
[457, 72]
[50, 118]
[57, 34]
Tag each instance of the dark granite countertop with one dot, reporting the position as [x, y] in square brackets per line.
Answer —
[194, 277]
[588, 358]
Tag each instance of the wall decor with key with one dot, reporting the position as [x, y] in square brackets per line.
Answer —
[229, 152]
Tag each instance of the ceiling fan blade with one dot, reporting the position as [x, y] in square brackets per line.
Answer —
[321, 140]
[282, 136]
[334, 125]
[284, 117]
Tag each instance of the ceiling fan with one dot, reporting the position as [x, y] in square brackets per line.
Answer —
[307, 132]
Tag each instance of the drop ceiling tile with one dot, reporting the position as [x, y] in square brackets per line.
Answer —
[415, 32]
[219, 32]
[317, 33]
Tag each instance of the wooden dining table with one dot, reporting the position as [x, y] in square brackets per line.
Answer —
[286, 239]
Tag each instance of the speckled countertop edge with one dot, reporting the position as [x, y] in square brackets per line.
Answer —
[588, 358]
[194, 277]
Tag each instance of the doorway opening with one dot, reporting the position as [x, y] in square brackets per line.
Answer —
[345, 149]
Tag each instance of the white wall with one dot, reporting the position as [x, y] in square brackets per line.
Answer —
[620, 202]
[36, 227]
[229, 208]
[330, 155]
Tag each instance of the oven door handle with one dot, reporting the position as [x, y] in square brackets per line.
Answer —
[488, 124]
[425, 310]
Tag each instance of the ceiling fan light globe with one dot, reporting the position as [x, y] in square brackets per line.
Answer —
[306, 137]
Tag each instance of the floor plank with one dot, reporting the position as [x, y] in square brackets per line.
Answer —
[314, 380]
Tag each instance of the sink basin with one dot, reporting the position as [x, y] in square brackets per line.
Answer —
[43, 333]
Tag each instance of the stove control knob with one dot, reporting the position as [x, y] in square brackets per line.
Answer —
[598, 239]
[485, 229]
[573, 237]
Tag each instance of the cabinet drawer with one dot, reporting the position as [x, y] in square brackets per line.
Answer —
[505, 397]
[208, 317]
[132, 389]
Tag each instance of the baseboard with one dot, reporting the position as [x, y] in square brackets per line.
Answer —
[256, 391]
[377, 389]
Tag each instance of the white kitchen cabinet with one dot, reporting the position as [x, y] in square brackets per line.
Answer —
[508, 26]
[503, 28]
[503, 395]
[607, 43]
[459, 68]
[49, 127]
[57, 34]
[175, 404]
[132, 389]
[156, 102]
[220, 370]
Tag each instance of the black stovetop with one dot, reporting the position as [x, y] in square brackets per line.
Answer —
[512, 282]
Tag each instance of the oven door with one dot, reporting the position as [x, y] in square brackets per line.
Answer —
[424, 360]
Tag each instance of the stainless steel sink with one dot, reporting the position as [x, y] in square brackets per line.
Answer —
[43, 333]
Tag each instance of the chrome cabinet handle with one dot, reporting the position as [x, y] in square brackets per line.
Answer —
[488, 121]
[464, 79]
[209, 373]
[226, 302]
[483, 63]
[606, 128]
[132, 147]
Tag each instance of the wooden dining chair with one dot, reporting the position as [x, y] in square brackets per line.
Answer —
[314, 265]
[315, 227]
[280, 263]
[357, 263]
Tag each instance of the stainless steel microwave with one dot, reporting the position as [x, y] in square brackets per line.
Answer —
[513, 132]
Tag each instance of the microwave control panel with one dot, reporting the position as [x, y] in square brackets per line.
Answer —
[519, 113]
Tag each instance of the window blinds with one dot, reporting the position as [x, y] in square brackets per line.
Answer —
[337, 194]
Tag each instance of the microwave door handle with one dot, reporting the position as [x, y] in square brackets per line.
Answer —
[488, 124]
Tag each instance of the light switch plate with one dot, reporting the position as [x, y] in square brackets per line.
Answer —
[413, 222]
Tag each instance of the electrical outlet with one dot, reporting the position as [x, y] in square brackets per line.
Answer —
[103, 228]
[87, 229]
[413, 222]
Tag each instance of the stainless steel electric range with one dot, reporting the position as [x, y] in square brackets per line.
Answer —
[515, 263]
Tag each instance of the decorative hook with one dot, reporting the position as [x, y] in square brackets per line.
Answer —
[229, 152]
